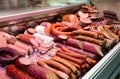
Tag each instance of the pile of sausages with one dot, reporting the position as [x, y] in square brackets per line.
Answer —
[60, 50]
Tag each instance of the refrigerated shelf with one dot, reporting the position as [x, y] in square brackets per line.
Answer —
[106, 68]
[46, 11]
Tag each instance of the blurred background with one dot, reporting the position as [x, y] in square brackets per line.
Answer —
[12, 4]
[113, 5]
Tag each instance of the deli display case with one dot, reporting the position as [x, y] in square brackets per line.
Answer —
[15, 14]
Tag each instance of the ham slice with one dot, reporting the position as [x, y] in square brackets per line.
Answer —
[83, 15]
[93, 48]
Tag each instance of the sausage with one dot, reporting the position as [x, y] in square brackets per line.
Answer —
[3, 74]
[79, 51]
[79, 71]
[58, 66]
[19, 50]
[108, 33]
[22, 45]
[25, 38]
[70, 18]
[3, 42]
[56, 32]
[60, 38]
[72, 53]
[16, 73]
[40, 72]
[31, 31]
[93, 29]
[7, 55]
[110, 16]
[22, 62]
[75, 64]
[65, 62]
[90, 39]
[9, 38]
[57, 72]
[34, 42]
[73, 76]
[65, 23]
[69, 29]
[109, 12]
[90, 61]
[78, 61]
[86, 33]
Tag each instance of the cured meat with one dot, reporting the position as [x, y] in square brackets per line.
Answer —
[33, 42]
[59, 73]
[25, 38]
[85, 33]
[3, 74]
[58, 66]
[7, 55]
[16, 73]
[78, 61]
[22, 45]
[83, 15]
[93, 48]
[71, 18]
[3, 42]
[90, 39]
[65, 62]
[91, 55]
[39, 72]
[22, 62]
[19, 50]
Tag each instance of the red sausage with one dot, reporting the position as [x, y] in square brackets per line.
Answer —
[3, 74]
[90, 39]
[20, 50]
[34, 42]
[16, 73]
[86, 33]
[3, 42]
[22, 45]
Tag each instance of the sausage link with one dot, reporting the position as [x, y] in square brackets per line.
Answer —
[86, 33]
[16, 73]
[58, 66]
[90, 39]
[78, 61]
